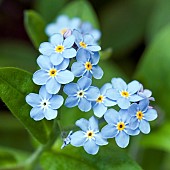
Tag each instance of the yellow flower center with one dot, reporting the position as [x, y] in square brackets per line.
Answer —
[120, 126]
[53, 72]
[88, 66]
[59, 49]
[62, 31]
[124, 94]
[139, 115]
[82, 44]
[89, 134]
[80, 93]
[100, 99]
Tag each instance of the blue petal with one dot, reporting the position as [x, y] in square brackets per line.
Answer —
[90, 147]
[133, 109]
[109, 131]
[83, 55]
[71, 89]
[65, 76]
[95, 58]
[43, 93]
[88, 39]
[44, 62]
[63, 65]
[96, 34]
[56, 58]
[52, 86]
[77, 138]
[119, 84]
[33, 99]
[50, 114]
[87, 74]
[111, 116]
[133, 87]
[84, 83]
[143, 104]
[69, 41]
[107, 102]
[132, 132]
[71, 101]
[84, 105]
[122, 139]
[134, 123]
[124, 115]
[36, 113]
[78, 69]
[83, 124]
[93, 124]
[105, 87]
[92, 93]
[150, 115]
[135, 98]
[50, 29]
[99, 109]
[99, 139]
[56, 101]
[56, 39]
[93, 48]
[123, 103]
[112, 94]
[97, 72]
[46, 48]
[144, 126]
[78, 37]
[69, 53]
[40, 77]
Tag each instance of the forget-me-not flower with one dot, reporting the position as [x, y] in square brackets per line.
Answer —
[81, 94]
[118, 127]
[62, 24]
[58, 48]
[67, 140]
[89, 136]
[124, 93]
[102, 102]
[52, 76]
[44, 105]
[86, 65]
[141, 114]
[85, 41]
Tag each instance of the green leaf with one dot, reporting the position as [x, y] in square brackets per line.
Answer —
[153, 69]
[34, 26]
[17, 54]
[83, 10]
[15, 84]
[76, 158]
[159, 19]
[49, 8]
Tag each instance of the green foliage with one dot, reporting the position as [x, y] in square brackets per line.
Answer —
[15, 84]
[35, 26]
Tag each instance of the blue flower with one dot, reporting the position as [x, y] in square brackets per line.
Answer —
[140, 115]
[89, 137]
[52, 76]
[87, 28]
[62, 24]
[118, 127]
[81, 94]
[58, 48]
[102, 102]
[85, 41]
[44, 105]
[86, 65]
[67, 140]
[123, 94]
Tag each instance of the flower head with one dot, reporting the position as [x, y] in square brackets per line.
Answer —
[44, 105]
[118, 127]
[89, 136]
[58, 48]
[67, 140]
[81, 94]
[86, 65]
[124, 93]
[52, 76]
[141, 114]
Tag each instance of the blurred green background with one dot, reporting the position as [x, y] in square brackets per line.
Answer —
[138, 34]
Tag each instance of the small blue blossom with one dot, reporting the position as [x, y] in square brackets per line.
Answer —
[67, 140]
[140, 115]
[44, 105]
[124, 93]
[81, 94]
[86, 65]
[102, 102]
[58, 48]
[62, 24]
[89, 137]
[118, 127]
[52, 76]
[87, 28]
[85, 41]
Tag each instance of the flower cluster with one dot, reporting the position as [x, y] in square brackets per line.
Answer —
[72, 51]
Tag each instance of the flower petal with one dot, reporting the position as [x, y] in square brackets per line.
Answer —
[93, 48]
[64, 64]
[93, 124]
[88, 39]
[83, 55]
[33, 99]
[107, 102]
[77, 138]
[84, 105]
[105, 87]
[92, 93]
[84, 83]
[133, 87]
[50, 114]
[144, 126]
[95, 58]
[69, 53]
[99, 109]
[56, 39]
[122, 139]
[40, 77]
[56, 101]
[97, 72]
[112, 94]
[36, 113]
[43, 93]
[69, 41]
[119, 84]
[71, 89]
[78, 69]
[44, 62]
[56, 58]
[143, 104]
[91, 147]
[46, 48]
[83, 124]
[100, 140]
[52, 86]
[135, 98]
[134, 123]
[71, 101]
[150, 115]
[109, 131]
[111, 116]
[123, 103]
[65, 76]
[133, 109]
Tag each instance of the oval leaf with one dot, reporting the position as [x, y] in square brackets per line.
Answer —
[15, 84]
